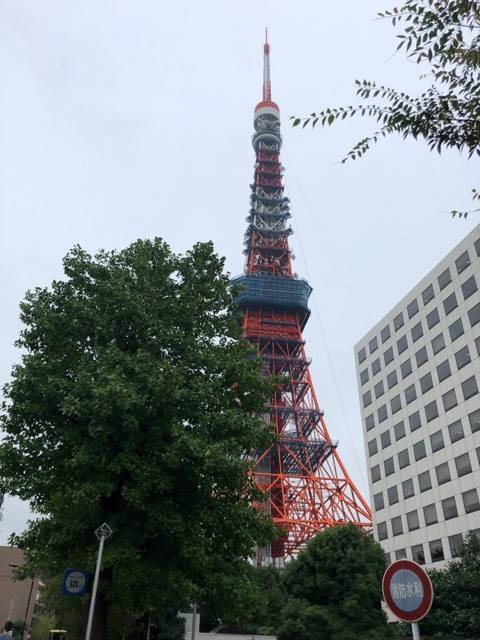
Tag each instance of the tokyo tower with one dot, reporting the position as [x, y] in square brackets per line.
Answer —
[307, 487]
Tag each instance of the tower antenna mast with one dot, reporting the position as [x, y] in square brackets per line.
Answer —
[267, 87]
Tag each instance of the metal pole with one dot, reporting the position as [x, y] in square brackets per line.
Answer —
[26, 610]
[102, 534]
[415, 631]
[194, 616]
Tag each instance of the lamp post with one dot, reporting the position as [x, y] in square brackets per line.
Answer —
[14, 568]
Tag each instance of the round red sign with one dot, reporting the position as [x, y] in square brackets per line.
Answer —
[407, 590]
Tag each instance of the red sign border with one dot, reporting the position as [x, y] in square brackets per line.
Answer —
[421, 611]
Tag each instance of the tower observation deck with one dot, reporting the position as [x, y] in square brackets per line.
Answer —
[305, 484]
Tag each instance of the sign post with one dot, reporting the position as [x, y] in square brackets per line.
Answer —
[408, 592]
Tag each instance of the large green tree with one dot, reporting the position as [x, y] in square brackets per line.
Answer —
[132, 405]
[334, 588]
[443, 37]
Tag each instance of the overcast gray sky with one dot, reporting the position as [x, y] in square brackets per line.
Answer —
[126, 119]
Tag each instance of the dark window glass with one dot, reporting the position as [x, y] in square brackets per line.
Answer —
[450, 303]
[388, 560]
[382, 532]
[378, 501]
[388, 356]
[424, 481]
[412, 520]
[449, 400]
[410, 394]
[474, 315]
[421, 356]
[462, 357]
[396, 404]
[433, 318]
[456, 329]
[369, 422]
[443, 370]
[419, 450]
[398, 322]
[470, 501]
[444, 279]
[477, 247]
[414, 420]
[407, 488]
[402, 344]
[428, 294]
[403, 459]
[379, 389]
[463, 465]
[385, 333]
[373, 344]
[455, 543]
[392, 495]
[375, 472]
[462, 262]
[399, 430]
[469, 287]
[367, 399]
[362, 354]
[431, 411]
[389, 466]
[385, 439]
[418, 554]
[382, 413]
[426, 383]
[436, 441]
[400, 554]
[392, 379]
[372, 447]
[397, 527]
[477, 344]
[412, 308]
[436, 550]
[469, 388]
[417, 332]
[376, 366]
[430, 513]
[474, 419]
[406, 368]
[449, 507]
[443, 473]
[438, 343]
[456, 431]
[364, 376]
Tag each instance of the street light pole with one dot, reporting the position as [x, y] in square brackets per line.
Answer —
[14, 567]
[102, 534]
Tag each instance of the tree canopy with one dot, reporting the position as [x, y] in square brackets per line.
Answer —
[132, 405]
[443, 37]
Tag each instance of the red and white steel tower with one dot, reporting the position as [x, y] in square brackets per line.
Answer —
[306, 485]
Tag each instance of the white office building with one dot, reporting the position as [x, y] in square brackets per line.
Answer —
[418, 377]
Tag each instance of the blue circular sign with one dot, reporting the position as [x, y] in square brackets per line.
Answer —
[406, 590]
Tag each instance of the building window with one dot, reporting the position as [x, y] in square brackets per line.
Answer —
[396, 404]
[364, 376]
[385, 439]
[398, 322]
[456, 431]
[375, 472]
[469, 388]
[449, 507]
[388, 356]
[400, 554]
[450, 303]
[462, 262]
[362, 354]
[412, 308]
[388, 560]
[438, 343]
[389, 466]
[402, 344]
[379, 389]
[430, 514]
[426, 383]
[397, 527]
[449, 400]
[443, 473]
[470, 501]
[444, 279]
[477, 247]
[399, 430]
[382, 532]
[433, 318]
[385, 333]
[421, 356]
[424, 481]
[417, 332]
[376, 366]
[407, 488]
[469, 287]
[417, 553]
[414, 420]
[403, 459]
[436, 441]
[474, 419]
[436, 551]
[428, 294]
[456, 329]
[419, 450]
[477, 344]
[410, 394]
[431, 411]
[392, 495]
[443, 370]
[412, 520]
[463, 465]
[367, 399]
[462, 357]
[406, 368]
[382, 413]
[474, 315]
[455, 543]
[392, 379]
[373, 344]
[378, 501]
[372, 447]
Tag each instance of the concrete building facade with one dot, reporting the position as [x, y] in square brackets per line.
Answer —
[18, 598]
[418, 376]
